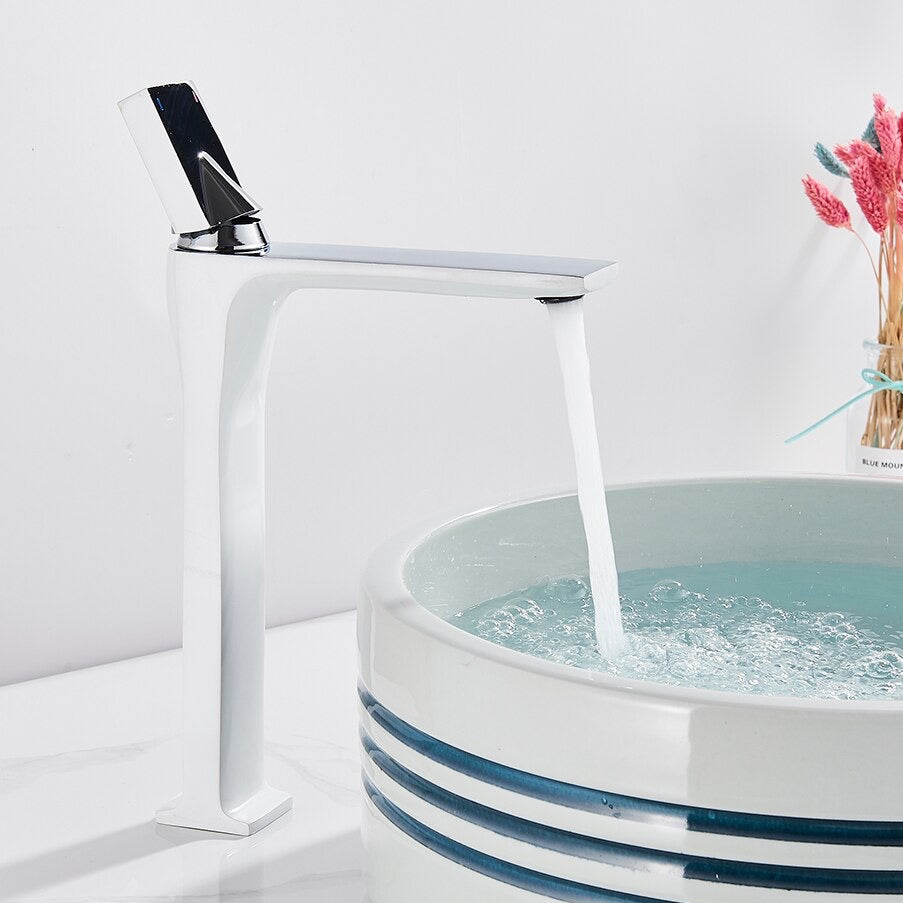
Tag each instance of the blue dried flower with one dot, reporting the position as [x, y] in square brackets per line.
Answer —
[871, 136]
[830, 162]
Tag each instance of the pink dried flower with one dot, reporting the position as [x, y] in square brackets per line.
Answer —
[870, 198]
[860, 148]
[882, 175]
[879, 102]
[850, 153]
[888, 130]
[844, 154]
[830, 209]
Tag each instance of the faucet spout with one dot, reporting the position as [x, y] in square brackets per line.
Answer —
[431, 272]
[226, 286]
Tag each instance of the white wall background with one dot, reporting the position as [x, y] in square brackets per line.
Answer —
[668, 135]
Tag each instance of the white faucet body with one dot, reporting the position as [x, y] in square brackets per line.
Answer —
[224, 310]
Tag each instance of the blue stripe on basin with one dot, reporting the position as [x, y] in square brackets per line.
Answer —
[637, 859]
[524, 878]
[691, 818]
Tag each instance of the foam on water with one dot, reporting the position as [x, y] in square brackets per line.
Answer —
[812, 630]
[567, 326]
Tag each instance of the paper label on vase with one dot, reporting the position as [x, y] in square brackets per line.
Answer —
[879, 462]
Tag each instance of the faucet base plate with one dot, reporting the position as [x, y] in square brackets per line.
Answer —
[264, 807]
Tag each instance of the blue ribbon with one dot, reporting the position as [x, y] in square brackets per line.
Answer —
[878, 382]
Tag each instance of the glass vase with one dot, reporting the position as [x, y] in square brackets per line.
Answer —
[875, 423]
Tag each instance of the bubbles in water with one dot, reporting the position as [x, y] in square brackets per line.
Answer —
[708, 640]
[668, 591]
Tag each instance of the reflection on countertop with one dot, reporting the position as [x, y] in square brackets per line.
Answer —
[87, 757]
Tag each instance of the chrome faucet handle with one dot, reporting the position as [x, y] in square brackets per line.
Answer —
[205, 203]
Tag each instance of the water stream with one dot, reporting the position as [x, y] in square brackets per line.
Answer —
[570, 340]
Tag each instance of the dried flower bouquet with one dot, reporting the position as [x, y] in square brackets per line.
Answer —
[874, 166]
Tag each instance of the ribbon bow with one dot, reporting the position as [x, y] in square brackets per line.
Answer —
[877, 381]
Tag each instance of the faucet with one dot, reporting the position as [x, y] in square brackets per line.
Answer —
[226, 286]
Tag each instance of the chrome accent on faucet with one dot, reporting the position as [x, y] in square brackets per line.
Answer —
[227, 285]
[245, 235]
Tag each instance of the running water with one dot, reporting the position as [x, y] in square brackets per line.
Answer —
[570, 340]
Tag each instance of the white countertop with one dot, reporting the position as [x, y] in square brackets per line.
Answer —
[87, 757]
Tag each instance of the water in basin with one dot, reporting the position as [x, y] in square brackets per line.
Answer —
[808, 629]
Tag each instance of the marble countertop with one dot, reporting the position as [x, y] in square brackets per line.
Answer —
[87, 757]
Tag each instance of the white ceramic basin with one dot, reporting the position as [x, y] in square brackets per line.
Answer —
[492, 775]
